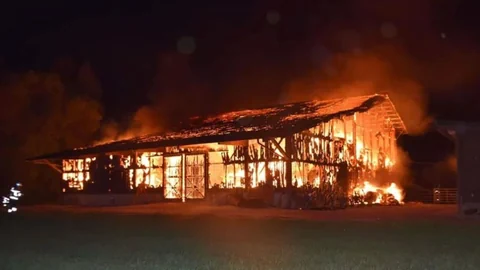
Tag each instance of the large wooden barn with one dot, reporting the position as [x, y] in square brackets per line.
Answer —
[341, 145]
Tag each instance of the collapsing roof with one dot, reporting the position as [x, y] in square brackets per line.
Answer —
[275, 121]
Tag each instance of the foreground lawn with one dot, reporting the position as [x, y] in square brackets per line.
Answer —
[112, 241]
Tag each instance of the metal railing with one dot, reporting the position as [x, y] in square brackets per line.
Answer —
[445, 195]
[433, 196]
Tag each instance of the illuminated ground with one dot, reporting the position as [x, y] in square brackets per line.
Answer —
[205, 237]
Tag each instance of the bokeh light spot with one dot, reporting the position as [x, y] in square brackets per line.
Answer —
[388, 30]
[273, 17]
[186, 45]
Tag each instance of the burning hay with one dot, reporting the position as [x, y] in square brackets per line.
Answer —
[369, 194]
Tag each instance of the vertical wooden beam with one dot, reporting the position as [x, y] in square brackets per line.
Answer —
[164, 178]
[288, 161]
[331, 143]
[206, 171]
[354, 141]
[246, 161]
[371, 147]
[364, 140]
[354, 135]
[345, 142]
[304, 176]
[256, 173]
[234, 174]
[183, 163]
[134, 165]
[268, 156]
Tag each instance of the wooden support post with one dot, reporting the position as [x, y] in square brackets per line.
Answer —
[256, 173]
[364, 140]
[183, 163]
[206, 171]
[354, 141]
[371, 148]
[234, 174]
[164, 176]
[288, 161]
[246, 161]
[134, 165]
[354, 135]
[268, 157]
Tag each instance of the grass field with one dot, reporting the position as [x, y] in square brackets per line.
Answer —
[157, 237]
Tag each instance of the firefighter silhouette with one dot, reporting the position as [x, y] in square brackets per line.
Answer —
[10, 201]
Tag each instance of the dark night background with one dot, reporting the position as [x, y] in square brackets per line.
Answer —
[141, 66]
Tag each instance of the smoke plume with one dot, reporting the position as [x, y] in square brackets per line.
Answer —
[353, 74]
[175, 94]
[401, 173]
[256, 65]
[145, 121]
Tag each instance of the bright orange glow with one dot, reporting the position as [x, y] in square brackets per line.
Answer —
[76, 172]
[173, 177]
[233, 179]
[356, 147]
[147, 171]
[380, 193]
[389, 163]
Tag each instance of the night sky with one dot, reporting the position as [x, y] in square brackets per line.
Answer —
[200, 57]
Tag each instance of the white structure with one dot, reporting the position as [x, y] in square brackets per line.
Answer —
[466, 137]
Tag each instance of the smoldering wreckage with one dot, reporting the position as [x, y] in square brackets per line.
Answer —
[314, 154]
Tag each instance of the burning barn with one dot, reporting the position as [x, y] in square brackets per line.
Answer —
[331, 151]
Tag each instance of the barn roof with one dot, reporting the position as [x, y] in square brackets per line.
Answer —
[275, 121]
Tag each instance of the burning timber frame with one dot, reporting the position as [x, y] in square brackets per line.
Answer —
[334, 143]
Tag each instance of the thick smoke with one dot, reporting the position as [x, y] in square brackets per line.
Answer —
[353, 74]
[392, 70]
[175, 94]
[401, 174]
[385, 69]
[145, 121]
[255, 67]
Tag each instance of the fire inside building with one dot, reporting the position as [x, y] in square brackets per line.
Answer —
[334, 152]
